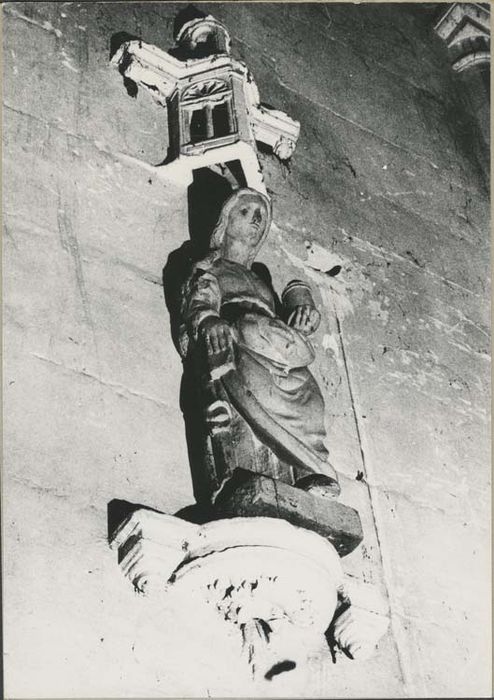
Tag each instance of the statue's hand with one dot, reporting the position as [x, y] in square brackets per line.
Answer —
[217, 335]
[305, 318]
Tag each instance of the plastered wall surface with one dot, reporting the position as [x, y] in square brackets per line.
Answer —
[385, 182]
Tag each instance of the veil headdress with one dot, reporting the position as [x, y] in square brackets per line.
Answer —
[218, 235]
[215, 251]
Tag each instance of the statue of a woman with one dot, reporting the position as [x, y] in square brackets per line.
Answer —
[255, 353]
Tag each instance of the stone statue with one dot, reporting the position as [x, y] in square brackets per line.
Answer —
[253, 355]
[260, 551]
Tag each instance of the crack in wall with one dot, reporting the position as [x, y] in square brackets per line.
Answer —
[33, 228]
[157, 171]
[95, 253]
[77, 501]
[409, 380]
[119, 389]
[471, 351]
[259, 48]
[47, 26]
[407, 209]
[374, 134]
[358, 126]
[446, 181]
[51, 491]
[69, 243]
[386, 491]
[381, 252]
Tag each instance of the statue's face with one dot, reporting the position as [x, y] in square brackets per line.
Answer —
[247, 220]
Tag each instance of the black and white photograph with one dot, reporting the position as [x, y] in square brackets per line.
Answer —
[246, 350]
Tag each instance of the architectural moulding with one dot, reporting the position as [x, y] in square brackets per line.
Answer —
[473, 59]
[280, 587]
[465, 28]
[214, 109]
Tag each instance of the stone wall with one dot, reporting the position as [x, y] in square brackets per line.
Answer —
[385, 183]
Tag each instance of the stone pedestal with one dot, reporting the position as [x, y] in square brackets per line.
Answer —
[249, 494]
[271, 588]
[275, 584]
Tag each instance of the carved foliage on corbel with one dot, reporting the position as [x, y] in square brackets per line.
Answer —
[281, 587]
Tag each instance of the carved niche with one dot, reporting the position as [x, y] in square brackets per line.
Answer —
[214, 109]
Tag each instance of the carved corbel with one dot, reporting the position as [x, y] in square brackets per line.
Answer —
[275, 129]
[278, 585]
[149, 67]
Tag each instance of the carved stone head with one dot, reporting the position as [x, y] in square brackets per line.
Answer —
[246, 216]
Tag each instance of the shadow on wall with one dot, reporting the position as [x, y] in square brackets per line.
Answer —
[206, 196]
[119, 512]
[116, 42]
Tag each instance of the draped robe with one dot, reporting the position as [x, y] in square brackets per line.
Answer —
[270, 385]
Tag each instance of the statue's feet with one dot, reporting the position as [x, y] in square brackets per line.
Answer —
[319, 485]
